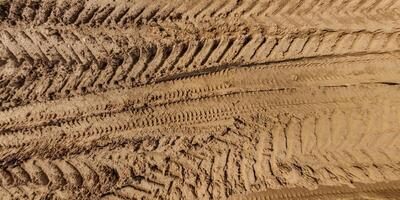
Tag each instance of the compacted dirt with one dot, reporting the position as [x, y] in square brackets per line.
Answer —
[200, 99]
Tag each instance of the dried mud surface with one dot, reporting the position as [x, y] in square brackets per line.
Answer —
[183, 99]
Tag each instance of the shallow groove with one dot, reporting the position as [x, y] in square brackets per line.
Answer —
[363, 190]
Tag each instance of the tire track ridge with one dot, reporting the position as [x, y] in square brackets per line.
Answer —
[185, 61]
[98, 128]
[176, 95]
[112, 169]
[122, 12]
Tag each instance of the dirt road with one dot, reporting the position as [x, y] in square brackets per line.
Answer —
[182, 99]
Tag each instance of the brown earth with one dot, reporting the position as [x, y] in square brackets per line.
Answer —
[184, 99]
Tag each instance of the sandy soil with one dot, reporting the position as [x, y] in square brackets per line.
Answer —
[179, 99]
